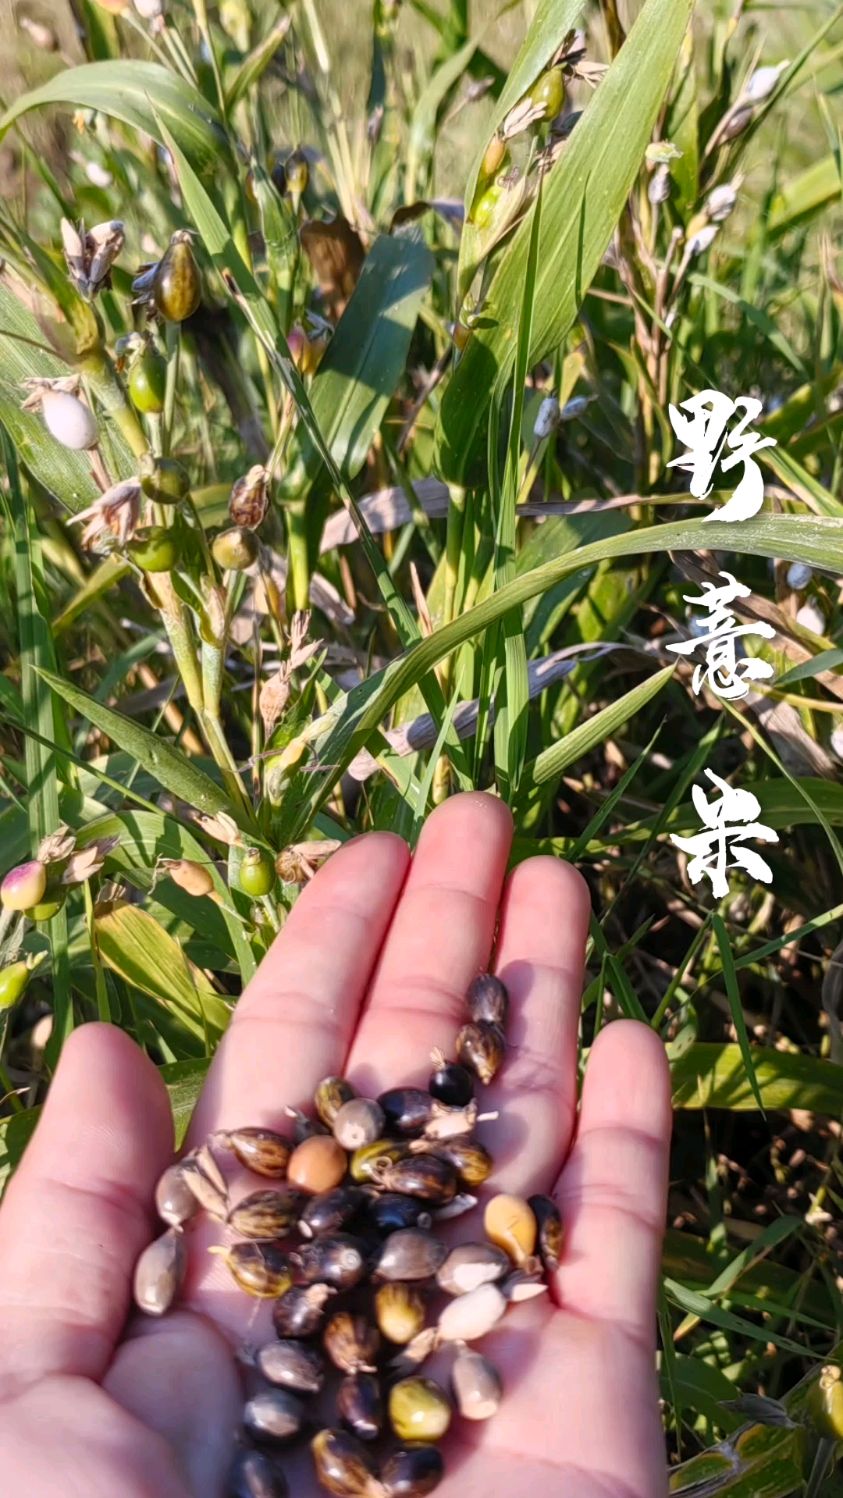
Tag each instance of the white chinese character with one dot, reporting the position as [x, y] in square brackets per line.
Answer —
[704, 434]
[727, 673]
[712, 849]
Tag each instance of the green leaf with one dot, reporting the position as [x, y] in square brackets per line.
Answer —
[140, 94]
[711, 1075]
[131, 942]
[253, 67]
[700, 1386]
[584, 196]
[730, 979]
[184, 1081]
[552, 761]
[805, 195]
[825, 660]
[170, 767]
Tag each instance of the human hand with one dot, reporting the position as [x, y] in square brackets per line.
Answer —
[368, 975]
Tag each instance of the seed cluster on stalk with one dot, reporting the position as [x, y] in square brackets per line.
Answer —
[341, 1237]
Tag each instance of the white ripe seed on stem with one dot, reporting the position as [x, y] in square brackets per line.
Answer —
[69, 420]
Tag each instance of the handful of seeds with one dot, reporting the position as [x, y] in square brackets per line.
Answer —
[341, 1236]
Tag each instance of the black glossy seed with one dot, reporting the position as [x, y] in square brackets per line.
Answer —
[407, 1109]
[338, 1259]
[488, 1000]
[292, 1365]
[410, 1254]
[360, 1405]
[331, 1211]
[273, 1415]
[352, 1342]
[301, 1312]
[428, 1177]
[452, 1083]
[550, 1234]
[390, 1211]
[255, 1474]
[412, 1471]
[343, 1465]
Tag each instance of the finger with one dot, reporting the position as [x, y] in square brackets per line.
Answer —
[440, 937]
[294, 1022]
[612, 1191]
[541, 948]
[77, 1215]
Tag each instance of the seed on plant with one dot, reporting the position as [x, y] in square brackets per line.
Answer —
[825, 1403]
[412, 1471]
[352, 1342]
[235, 549]
[301, 1310]
[248, 501]
[256, 874]
[194, 878]
[428, 1177]
[367, 1163]
[407, 1109]
[487, 1000]
[329, 1097]
[476, 1386]
[469, 1317]
[472, 1264]
[255, 1474]
[154, 549]
[291, 1365]
[399, 1312]
[388, 1212]
[48, 908]
[24, 886]
[297, 173]
[482, 216]
[261, 1269]
[175, 1203]
[548, 93]
[481, 1046]
[147, 380]
[164, 480]
[509, 1221]
[159, 1273]
[262, 1151]
[331, 1211]
[550, 1233]
[343, 1465]
[205, 1188]
[317, 1164]
[69, 420]
[470, 1159]
[266, 1215]
[176, 287]
[419, 1410]
[13, 981]
[358, 1122]
[494, 156]
[360, 1406]
[410, 1254]
[337, 1259]
[273, 1415]
[450, 1083]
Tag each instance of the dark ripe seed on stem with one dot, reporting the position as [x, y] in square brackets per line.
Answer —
[390, 1211]
[338, 1259]
[301, 1310]
[487, 1000]
[159, 1273]
[176, 288]
[366, 1162]
[550, 1233]
[470, 1159]
[343, 1465]
[419, 1410]
[451, 1083]
[266, 1215]
[412, 1471]
[261, 1150]
[352, 1342]
[331, 1211]
[472, 1264]
[175, 1203]
[360, 1406]
[359, 1122]
[273, 1415]
[255, 1474]
[330, 1096]
[291, 1365]
[407, 1109]
[260, 1269]
[428, 1177]
[410, 1254]
[399, 1312]
[476, 1386]
[481, 1047]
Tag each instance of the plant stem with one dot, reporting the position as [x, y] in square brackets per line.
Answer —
[97, 370]
[298, 575]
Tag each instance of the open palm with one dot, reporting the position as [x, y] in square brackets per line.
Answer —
[368, 976]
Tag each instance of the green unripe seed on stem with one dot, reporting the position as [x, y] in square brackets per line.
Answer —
[154, 550]
[147, 381]
[13, 981]
[485, 206]
[549, 93]
[49, 907]
[24, 886]
[234, 550]
[164, 480]
[257, 873]
[177, 289]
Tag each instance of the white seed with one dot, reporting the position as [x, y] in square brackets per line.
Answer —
[547, 419]
[159, 1273]
[799, 575]
[810, 617]
[473, 1315]
[476, 1386]
[175, 1203]
[69, 420]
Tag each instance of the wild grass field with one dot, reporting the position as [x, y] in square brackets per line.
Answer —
[390, 514]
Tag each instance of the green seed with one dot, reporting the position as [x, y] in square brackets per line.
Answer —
[236, 549]
[164, 480]
[256, 874]
[177, 288]
[13, 981]
[147, 381]
[154, 549]
[548, 93]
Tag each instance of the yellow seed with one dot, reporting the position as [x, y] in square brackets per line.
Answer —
[510, 1223]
